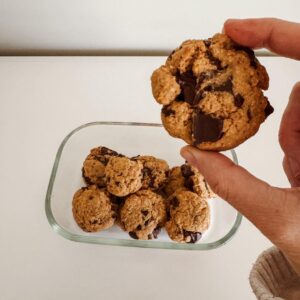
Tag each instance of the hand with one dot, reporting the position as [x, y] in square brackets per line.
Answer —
[275, 211]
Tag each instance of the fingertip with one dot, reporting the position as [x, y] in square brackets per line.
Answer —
[229, 24]
[189, 154]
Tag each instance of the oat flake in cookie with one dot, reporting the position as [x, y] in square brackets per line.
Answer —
[211, 92]
[93, 170]
[143, 214]
[188, 217]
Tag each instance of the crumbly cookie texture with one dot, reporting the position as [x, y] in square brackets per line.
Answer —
[211, 92]
[188, 217]
[187, 177]
[143, 214]
[155, 171]
[92, 209]
[123, 176]
[93, 170]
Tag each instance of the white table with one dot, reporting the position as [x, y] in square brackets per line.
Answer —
[43, 99]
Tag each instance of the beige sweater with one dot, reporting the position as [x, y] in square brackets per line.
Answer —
[273, 278]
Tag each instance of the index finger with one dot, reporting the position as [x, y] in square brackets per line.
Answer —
[279, 36]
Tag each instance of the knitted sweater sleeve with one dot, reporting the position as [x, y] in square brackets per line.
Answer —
[272, 277]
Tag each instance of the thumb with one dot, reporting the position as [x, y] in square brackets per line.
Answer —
[254, 198]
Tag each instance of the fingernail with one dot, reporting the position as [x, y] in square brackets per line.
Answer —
[188, 154]
[295, 168]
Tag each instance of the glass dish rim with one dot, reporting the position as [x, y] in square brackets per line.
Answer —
[124, 242]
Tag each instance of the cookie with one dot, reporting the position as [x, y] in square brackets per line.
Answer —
[123, 176]
[92, 209]
[143, 214]
[188, 217]
[211, 92]
[187, 177]
[155, 171]
[93, 170]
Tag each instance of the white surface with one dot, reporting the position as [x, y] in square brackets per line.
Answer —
[119, 24]
[43, 99]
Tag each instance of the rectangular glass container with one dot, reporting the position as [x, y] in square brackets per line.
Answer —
[129, 139]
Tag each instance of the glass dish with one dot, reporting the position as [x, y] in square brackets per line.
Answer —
[130, 139]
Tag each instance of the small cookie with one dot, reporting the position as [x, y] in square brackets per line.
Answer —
[211, 92]
[187, 177]
[188, 217]
[92, 209]
[143, 214]
[123, 176]
[93, 170]
[155, 171]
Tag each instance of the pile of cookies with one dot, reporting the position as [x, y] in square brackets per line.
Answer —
[141, 194]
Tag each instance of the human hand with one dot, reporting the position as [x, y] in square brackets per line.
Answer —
[275, 211]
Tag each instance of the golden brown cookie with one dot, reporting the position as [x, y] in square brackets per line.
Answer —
[123, 176]
[187, 177]
[92, 209]
[211, 92]
[93, 170]
[143, 214]
[188, 217]
[155, 171]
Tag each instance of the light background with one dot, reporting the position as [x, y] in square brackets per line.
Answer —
[43, 99]
[123, 25]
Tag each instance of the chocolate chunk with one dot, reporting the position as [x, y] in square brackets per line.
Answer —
[198, 97]
[207, 42]
[189, 183]
[250, 53]
[238, 100]
[249, 115]
[133, 235]
[156, 232]
[187, 82]
[186, 171]
[213, 60]
[139, 227]
[145, 212]
[226, 86]
[206, 128]
[147, 222]
[194, 236]
[168, 215]
[268, 109]
[107, 151]
[167, 111]
[102, 159]
[174, 202]
[148, 173]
